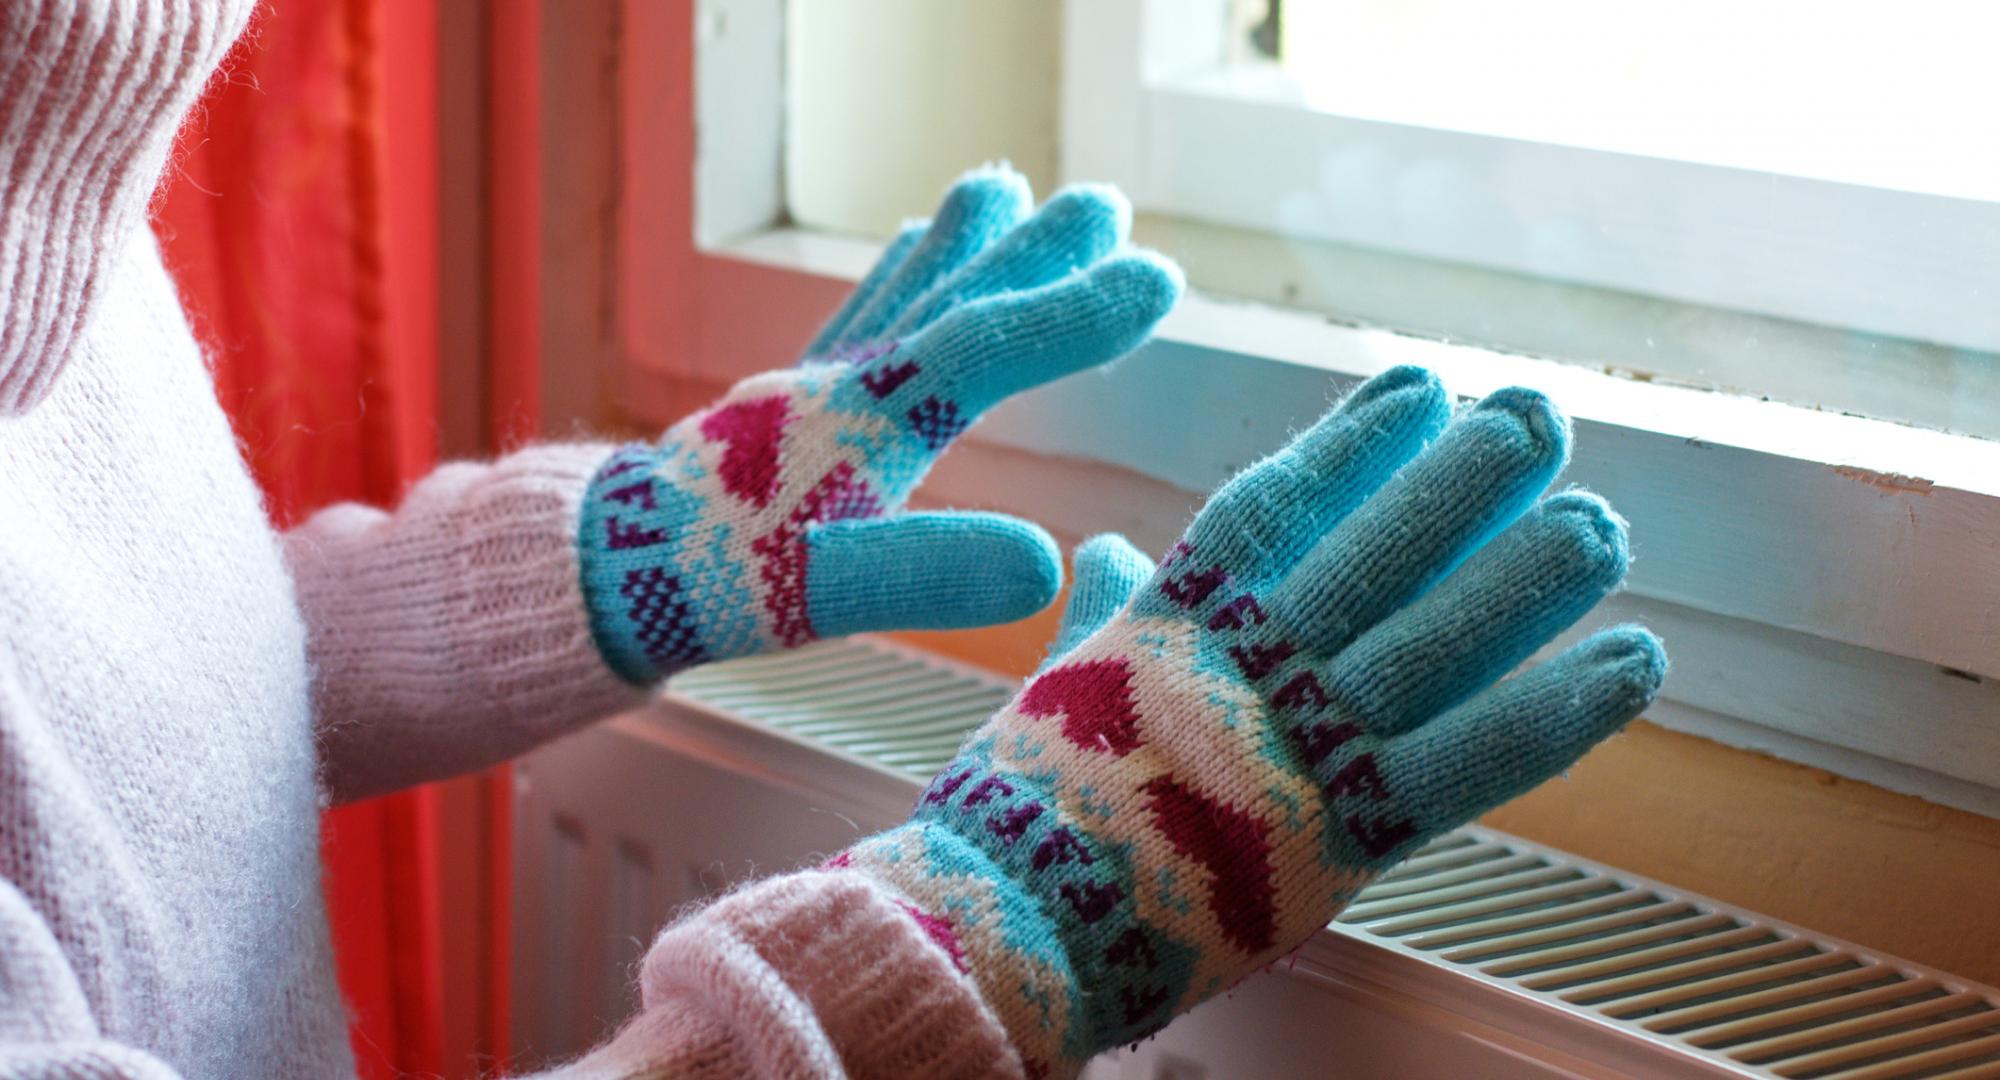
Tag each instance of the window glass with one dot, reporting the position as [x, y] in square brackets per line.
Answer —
[1889, 95]
[890, 98]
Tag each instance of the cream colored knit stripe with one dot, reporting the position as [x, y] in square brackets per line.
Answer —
[91, 92]
[1220, 752]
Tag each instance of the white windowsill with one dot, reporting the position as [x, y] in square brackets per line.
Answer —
[1151, 108]
[1921, 457]
[1828, 585]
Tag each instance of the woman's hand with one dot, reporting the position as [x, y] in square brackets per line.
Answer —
[772, 517]
[1223, 750]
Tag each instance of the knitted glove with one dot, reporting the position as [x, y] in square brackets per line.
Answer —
[769, 519]
[1224, 749]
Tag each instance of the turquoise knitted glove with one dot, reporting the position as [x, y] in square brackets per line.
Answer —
[769, 519]
[1224, 749]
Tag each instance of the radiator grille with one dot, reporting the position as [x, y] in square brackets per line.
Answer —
[868, 700]
[1753, 995]
[1762, 996]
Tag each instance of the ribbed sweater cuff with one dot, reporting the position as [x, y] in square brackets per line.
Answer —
[825, 974]
[452, 634]
[91, 92]
[668, 1043]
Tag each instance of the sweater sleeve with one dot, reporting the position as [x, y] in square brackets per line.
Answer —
[810, 975]
[90, 94]
[819, 974]
[452, 634]
[46, 1027]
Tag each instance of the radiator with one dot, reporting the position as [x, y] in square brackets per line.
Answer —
[1482, 956]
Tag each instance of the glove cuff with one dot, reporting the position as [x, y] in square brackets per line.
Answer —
[655, 608]
[825, 973]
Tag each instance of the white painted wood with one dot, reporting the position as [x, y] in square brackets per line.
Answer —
[1177, 38]
[1112, 49]
[1901, 724]
[1872, 534]
[739, 117]
[889, 100]
[1906, 264]
[1829, 586]
[1863, 533]
[1902, 263]
[1101, 90]
[1905, 725]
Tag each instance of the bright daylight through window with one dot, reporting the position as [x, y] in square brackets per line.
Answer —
[1782, 199]
[1786, 200]
[1750, 251]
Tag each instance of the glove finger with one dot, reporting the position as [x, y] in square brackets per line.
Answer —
[893, 256]
[982, 351]
[982, 206]
[1078, 226]
[1399, 793]
[930, 571]
[1510, 598]
[1485, 469]
[1270, 514]
[1109, 570]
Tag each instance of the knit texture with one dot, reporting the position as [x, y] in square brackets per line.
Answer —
[665, 1044]
[771, 518]
[812, 974]
[1302, 692]
[1209, 767]
[158, 813]
[95, 89]
[794, 960]
[165, 703]
[452, 634]
[174, 676]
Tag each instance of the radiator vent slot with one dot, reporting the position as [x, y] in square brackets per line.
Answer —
[1754, 996]
[1762, 996]
[867, 700]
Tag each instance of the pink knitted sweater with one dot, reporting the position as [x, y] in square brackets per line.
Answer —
[181, 689]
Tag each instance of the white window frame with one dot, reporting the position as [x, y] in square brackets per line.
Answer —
[1828, 585]
[1150, 106]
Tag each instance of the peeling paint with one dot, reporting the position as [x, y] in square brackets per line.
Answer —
[1890, 483]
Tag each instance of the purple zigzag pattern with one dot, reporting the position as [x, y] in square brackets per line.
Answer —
[666, 627]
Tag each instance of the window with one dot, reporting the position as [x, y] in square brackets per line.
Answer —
[1776, 353]
[1779, 199]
